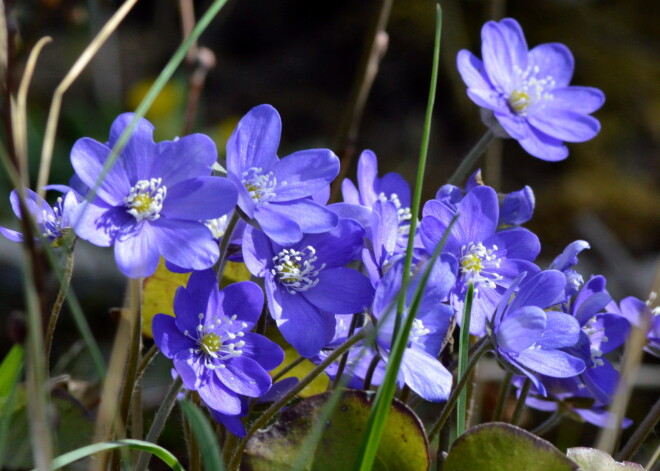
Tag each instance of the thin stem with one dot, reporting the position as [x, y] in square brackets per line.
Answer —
[288, 368]
[505, 387]
[145, 362]
[643, 430]
[195, 453]
[59, 302]
[451, 402]
[133, 354]
[159, 421]
[550, 423]
[370, 372]
[471, 158]
[517, 413]
[275, 407]
[224, 244]
[344, 358]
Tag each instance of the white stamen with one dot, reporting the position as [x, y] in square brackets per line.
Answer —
[145, 200]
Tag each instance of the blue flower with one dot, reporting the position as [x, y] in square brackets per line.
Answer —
[420, 368]
[528, 91]
[640, 314]
[601, 332]
[307, 283]
[488, 259]
[529, 337]
[154, 199]
[564, 263]
[211, 345]
[275, 193]
[52, 223]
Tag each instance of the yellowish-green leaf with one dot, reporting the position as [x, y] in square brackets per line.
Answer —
[158, 294]
[498, 446]
[403, 447]
[317, 386]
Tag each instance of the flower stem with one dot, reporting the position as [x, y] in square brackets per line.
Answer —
[549, 423]
[471, 158]
[275, 407]
[505, 387]
[159, 421]
[224, 244]
[344, 358]
[370, 372]
[515, 418]
[288, 368]
[59, 302]
[483, 347]
[643, 430]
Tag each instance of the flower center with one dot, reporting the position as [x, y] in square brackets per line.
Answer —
[478, 264]
[210, 343]
[295, 269]
[217, 339]
[530, 90]
[145, 200]
[403, 213]
[52, 223]
[418, 330]
[261, 186]
[218, 226]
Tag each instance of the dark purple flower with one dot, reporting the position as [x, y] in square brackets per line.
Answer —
[601, 332]
[516, 208]
[371, 188]
[529, 337]
[307, 283]
[154, 199]
[277, 193]
[488, 259]
[570, 394]
[640, 314]
[420, 368]
[211, 345]
[52, 223]
[528, 91]
[566, 261]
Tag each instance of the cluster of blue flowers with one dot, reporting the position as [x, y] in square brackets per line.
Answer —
[322, 265]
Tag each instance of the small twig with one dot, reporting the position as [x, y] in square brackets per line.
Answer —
[77, 68]
[370, 372]
[219, 266]
[373, 52]
[643, 430]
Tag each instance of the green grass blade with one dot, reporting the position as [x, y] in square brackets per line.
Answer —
[206, 438]
[10, 373]
[463, 347]
[89, 450]
[381, 408]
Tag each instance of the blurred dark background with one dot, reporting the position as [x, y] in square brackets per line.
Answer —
[302, 57]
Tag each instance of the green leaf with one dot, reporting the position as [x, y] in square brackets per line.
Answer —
[207, 440]
[403, 447]
[498, 446]
[75, 455]
[590, 459]
[10, 368]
